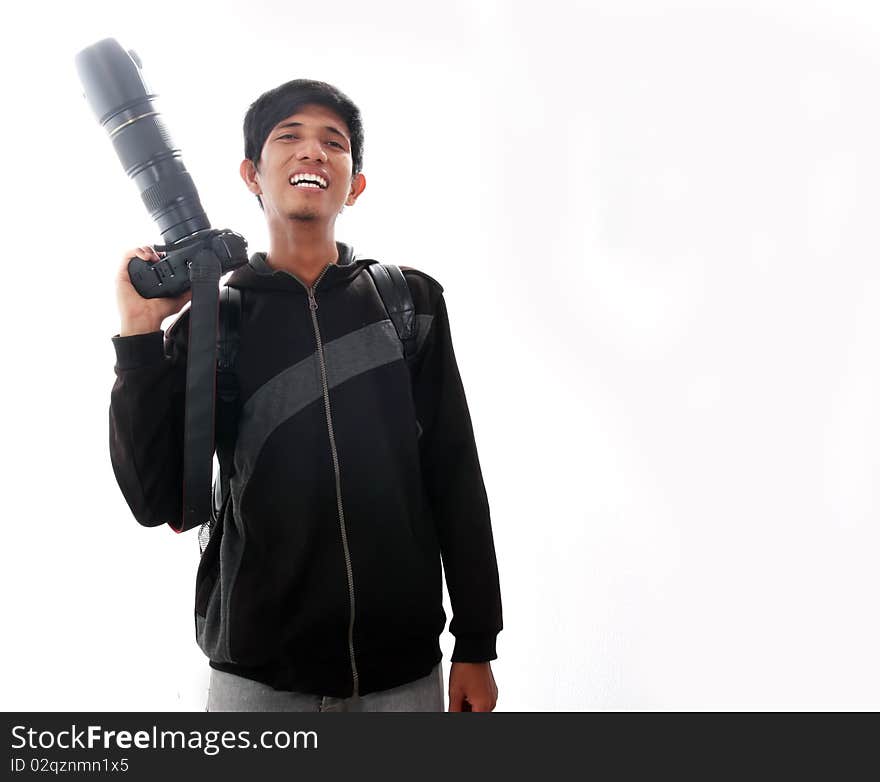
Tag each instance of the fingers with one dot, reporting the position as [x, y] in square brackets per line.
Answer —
[458, 701]
[144, 252]
[149, 254]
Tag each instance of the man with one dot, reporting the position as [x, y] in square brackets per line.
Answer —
[321, 585]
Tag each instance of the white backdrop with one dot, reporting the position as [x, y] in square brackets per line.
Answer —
[656, 228]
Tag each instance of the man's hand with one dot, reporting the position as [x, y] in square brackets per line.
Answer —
[140, 315]
[472, 687]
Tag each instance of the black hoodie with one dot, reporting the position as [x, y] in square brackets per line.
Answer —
[353, 476]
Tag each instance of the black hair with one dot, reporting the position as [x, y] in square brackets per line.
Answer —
[276, 104]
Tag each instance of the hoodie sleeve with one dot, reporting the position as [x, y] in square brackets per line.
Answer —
[454, 485]
[146, 422]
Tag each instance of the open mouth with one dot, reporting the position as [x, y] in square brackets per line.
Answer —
[308, 181]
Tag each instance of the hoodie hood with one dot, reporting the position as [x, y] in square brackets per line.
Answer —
[256, 274]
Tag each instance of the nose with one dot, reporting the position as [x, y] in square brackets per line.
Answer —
[311, 149]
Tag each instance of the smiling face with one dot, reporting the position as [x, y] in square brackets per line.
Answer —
[315, 140]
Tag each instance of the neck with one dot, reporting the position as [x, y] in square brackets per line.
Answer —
[304, 252]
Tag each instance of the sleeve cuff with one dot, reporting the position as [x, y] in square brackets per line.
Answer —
[479, 649]
[139, 350]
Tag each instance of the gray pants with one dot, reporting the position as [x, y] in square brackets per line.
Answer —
[227, 692]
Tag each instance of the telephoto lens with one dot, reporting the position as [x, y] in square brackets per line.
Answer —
[118, 94]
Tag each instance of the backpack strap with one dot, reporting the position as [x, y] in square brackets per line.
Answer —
[395, 294]
[228, 340]
[227, 404]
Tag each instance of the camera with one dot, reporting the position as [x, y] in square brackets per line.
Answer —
[117, 92]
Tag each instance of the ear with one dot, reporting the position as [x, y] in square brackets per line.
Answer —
[249, 175]
[358, 184]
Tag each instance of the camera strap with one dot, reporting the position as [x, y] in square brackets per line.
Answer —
[201, 372]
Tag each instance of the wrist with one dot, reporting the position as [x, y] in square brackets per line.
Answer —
[134, 326]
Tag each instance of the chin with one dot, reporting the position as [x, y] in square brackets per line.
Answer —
[304, 215]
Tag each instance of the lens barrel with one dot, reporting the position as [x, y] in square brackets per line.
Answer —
[121, 100]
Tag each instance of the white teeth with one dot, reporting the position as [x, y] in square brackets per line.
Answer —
[319, 181]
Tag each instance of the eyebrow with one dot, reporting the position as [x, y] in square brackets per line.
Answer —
[326, 127]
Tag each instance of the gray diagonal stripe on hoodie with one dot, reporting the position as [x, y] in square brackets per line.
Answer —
[291, 390]
[270, 406]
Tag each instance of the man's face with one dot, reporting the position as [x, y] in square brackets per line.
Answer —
[316, 140]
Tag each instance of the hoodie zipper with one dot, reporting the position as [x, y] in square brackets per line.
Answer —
[313, 306]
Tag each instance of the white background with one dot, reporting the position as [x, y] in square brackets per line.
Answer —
[656, 226]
